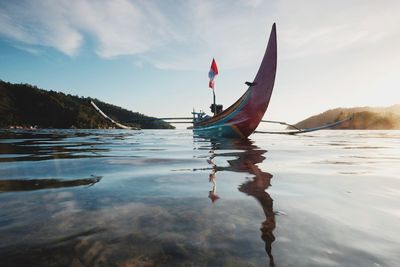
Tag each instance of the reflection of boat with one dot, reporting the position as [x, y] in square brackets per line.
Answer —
[37, 184]
[248, 156]
[242, 118]
[212, 194]
[256, 188]
[212, 178]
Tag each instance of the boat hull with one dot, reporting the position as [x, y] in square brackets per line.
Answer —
[223, 130]
[243, 117]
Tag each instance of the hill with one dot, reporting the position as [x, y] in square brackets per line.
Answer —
[25, 105]
[372, 118]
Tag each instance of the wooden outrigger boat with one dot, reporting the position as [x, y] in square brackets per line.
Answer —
[242, 118]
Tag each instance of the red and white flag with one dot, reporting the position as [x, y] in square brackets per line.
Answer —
[212, 73]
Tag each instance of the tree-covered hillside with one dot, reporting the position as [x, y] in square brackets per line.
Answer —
[26, 105]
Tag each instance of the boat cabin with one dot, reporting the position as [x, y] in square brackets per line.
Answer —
[216, 109]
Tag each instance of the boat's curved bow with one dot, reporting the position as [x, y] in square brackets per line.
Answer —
[242, 118]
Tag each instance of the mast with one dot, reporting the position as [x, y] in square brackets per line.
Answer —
[215, 107]
[211, 74]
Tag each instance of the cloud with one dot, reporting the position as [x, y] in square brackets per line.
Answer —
[29, 49]
[315, 27]
[150, 29]
[233, 32]
[183, 35]
[118, 27]
[237, 32]
[39, 23]
[121, 27]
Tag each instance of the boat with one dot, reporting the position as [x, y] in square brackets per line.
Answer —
[242, 118]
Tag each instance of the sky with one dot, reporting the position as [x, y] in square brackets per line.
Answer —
[153, 57]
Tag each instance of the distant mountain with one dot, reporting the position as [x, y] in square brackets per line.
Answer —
[24, 105]
[372, 118]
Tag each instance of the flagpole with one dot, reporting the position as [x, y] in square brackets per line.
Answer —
[215, 107]
[211, 74]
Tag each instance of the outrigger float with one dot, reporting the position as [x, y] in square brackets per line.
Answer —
[242, 118]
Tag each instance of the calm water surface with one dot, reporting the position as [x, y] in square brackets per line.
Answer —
[166, 198]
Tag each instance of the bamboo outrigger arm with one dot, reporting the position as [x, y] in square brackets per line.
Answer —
[307, 130]
[283, 123]
[297, 131]
[164, 119]
[109, 119]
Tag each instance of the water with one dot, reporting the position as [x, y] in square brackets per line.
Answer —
[165, 198]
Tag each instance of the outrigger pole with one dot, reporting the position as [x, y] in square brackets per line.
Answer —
[109, 119]
[298, 130]
[307, 130]
[283, 123]
[163, 119]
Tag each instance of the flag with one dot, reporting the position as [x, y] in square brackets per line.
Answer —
[212, 73]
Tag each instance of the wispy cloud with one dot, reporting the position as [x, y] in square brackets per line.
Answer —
[182, 35]
[149, 29]
[29, 49]
[118, 27]
[315, 27]
[122, 27]
[232, 31]
[39, 23]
